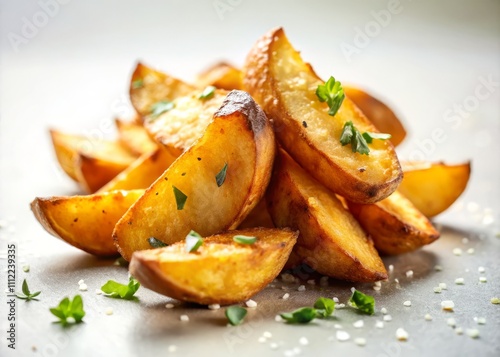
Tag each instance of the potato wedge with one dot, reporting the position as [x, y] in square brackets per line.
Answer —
[148, 86]
[178, 128]
[433, 187]
[240, 139]
[221, 271]
[285, 86]
[395, 224]
[66, 148]
[378, 112]
[258, 217]
[85, 222]
[331, 241]
[142, 172]
[221, 75]
[135, 137]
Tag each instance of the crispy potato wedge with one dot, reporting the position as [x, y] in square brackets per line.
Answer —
[142, 172]
[378, 112]
[240, 139]
[85, 222]
[135, 137]
[331, 241]
[395, 224]
[66, 147]
[221, 75]
[433, 187]
[258, 217]
[221, 271]
[285, 86]
[178, 128]
[148, 86]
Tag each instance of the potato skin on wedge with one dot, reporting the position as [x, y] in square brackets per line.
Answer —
[285, 86]
[221, 75]
[221, 271]
[378, 112]
[433, 187]
[85, 222]
[240, 136]
[331, 241]
[395, 224]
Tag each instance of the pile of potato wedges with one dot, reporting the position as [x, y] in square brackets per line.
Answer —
[250, 153]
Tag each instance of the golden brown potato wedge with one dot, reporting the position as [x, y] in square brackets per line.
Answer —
[142, 172]
[178, 128]
[221, 75]
[221, 271]
[66, 147]
[378, 112]
[433, 187]
[285, 86]
[239, 142]
[258, 217]
[148, 86]
[331, 241]
[85, 222]
[395, 224]
[135, 137]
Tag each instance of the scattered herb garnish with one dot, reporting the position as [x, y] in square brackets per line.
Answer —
[138, 83]
[69, 311]
[207, 93]
[324, 307]
[300, 316]
[161, 107]
[221, 176]
[235, 314]
[180, 198]
[332, 93]
[244, 239]
[155, 243]
[193, 242]
[120, 291]
[351, 135]
[380, 136]
[364, 303]
[26, 294]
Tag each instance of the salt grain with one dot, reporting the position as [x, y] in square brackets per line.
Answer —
[214, 306]
[407, 303]
[360, 341]
[437, 289]
[401, 334]
[274, 345]
[443, 286]
[387, 318]
[473, 333]
[169, 306]
[379, 324]
[81, 281]
[267, 334]
[457, 251]
[83, 287]
[428, 317]
[359, 324]
[286, 296]
[262, 339]
[251, 303]
[459, 331]
[470, 251]
[383, 311]
[109, 311]
[451, 322]
[184, 318]
[391, 268]
[438, 268]
[26, 268]
[482, 279]
[336, 299]
[342, 336]
[172, 348]
[301, 288]
[303, 341]
[409, 274]
[447, 305]
[495, 300]
[459, 281]
[481, 270]
[480, 320]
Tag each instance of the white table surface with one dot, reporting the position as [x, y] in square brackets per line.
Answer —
[72, 74]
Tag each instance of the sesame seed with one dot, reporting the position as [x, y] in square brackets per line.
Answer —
[401, 334]
[409, 274]
[457, 251]
[214, 306]
[387, 318]
[109, 311]
[481, 270]
[407, 303]
[480, 320]
[437, 289]
[301, 288]
[267, 334]
[482, 279]
[26, 268]
[169, 306]
[459, 281]
[447, 305]
[83, 287]
[360, 341]
[184, 318]
[459, 331]
[286, 296]
[451, 322]
[359, 324]
[428, 317]
[473, 333]
[495, 300]
[438, 268]
[303, 341]
[251, 303]
[172, 348]
[342, 336]
[443, 286]
[470, 251]
[383, 311]
[379, 324]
